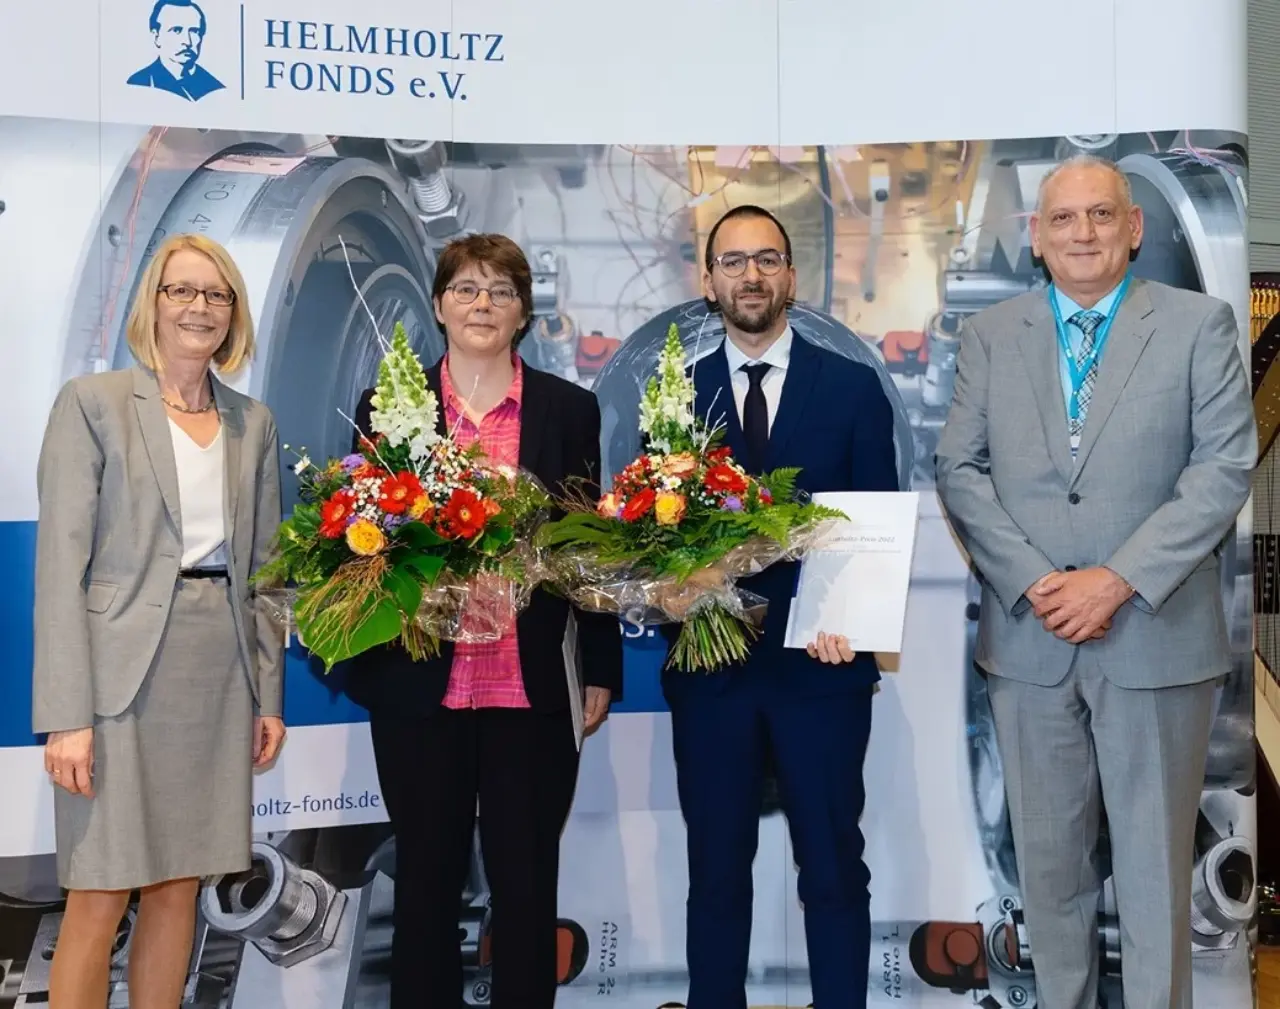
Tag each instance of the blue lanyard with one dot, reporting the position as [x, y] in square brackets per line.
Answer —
[1078, 371]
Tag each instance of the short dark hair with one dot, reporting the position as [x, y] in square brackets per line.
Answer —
[500, 255]
[746, 210]
[162, 4]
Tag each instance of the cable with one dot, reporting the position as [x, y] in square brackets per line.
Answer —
[828, 230]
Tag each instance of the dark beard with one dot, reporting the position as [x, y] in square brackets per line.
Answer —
[759, 321]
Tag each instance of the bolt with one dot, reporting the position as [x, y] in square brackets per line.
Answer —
[114, 236]
[416, 158]
[431, 193]
[1017, 996]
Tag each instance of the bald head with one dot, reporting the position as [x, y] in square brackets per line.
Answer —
[1085, 227]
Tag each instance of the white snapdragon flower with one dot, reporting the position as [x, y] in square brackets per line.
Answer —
[405, 411]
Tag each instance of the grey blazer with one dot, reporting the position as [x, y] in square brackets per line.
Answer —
[1162, 471]
[109, 543]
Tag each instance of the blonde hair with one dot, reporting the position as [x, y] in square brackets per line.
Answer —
[140, 330]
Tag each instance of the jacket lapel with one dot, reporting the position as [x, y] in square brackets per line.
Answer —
[1131, 330]
[534, 406]
[1038, 348]
[437, 387]
[713, 400]
[802, 372]
[232, 418]
[154, 423]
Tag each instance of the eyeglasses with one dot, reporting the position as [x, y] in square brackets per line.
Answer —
[182, 294]
[465, 292]
[734, 264]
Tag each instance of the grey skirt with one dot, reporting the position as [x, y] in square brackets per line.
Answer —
[173, 774]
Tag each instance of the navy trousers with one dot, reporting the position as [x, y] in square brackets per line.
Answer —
[723, 730]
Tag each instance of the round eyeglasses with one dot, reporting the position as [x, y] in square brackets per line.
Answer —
[734, 264]
[465, 292]
[184, 294]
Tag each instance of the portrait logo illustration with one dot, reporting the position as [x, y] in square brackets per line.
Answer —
[177, 33]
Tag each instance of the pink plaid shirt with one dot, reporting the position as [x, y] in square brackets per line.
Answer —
[487, 674]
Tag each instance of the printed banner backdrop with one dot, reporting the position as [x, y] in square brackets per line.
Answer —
[903, 152]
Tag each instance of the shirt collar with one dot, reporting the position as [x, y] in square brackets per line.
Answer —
[515, 391]
[1068, 307]
[778, 355]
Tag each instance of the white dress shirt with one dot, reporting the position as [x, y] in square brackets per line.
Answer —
[778, 356]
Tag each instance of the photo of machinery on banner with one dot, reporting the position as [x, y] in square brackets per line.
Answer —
[895, 246]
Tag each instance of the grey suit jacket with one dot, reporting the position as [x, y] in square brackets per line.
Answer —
[1162, 471]
[109, 543]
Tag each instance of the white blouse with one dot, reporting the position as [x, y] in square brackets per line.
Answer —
[200, 490]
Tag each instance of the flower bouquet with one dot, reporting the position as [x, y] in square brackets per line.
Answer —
[681, 523]
[411, 538]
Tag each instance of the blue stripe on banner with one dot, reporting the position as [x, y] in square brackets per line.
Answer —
[642, 673]
[310, 697]
[17, 595]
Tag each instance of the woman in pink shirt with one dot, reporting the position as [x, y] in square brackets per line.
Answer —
[488, 722]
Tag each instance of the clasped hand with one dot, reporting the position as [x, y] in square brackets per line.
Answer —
[1077, 606]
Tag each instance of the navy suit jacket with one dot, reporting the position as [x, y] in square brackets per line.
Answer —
[835, 423]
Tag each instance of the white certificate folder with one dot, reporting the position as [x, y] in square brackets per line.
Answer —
[856, 582]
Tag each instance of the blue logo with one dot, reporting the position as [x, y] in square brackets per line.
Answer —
[177, 31]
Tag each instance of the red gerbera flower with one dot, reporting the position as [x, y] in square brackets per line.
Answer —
[637, 507]
[335, 512]
[398, 492]
[463, 517]
[725, 480]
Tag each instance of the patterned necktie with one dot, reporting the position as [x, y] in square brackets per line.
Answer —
[1087, 323]
[755, 418]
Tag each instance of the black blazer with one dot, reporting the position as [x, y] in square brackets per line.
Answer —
[559, 439]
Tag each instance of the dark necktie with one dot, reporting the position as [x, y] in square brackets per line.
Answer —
[755, 418]
[1087, 323]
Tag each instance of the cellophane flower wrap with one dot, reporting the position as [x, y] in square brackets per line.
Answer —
[680, 525]
[412, 538]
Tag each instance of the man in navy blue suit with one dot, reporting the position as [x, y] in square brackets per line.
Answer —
[807, 713]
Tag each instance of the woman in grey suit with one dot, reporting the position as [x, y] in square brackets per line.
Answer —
[156, 677]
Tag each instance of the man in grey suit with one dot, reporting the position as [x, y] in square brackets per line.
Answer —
[1097, 453]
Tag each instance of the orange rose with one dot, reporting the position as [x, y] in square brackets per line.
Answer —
[681, 465]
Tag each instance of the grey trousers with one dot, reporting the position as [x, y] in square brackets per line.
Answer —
[1068, 751]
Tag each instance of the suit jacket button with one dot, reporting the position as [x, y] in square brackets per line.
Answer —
[1073, 497]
